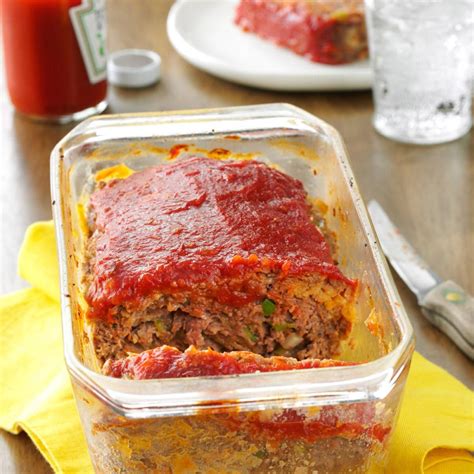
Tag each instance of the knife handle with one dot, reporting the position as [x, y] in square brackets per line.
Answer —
[451, 309]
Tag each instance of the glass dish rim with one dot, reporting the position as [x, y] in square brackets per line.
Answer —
[333, 385]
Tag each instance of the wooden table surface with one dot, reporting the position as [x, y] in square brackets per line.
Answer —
[428, 191]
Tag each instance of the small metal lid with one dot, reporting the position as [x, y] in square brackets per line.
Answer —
[133, 68]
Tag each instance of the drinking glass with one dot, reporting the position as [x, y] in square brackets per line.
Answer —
[421, 59]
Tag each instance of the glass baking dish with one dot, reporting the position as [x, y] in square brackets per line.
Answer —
[336, 419]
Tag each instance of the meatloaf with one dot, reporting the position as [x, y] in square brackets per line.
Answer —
[214, 254]
[324, 31]
[168, 362]
[338, 439]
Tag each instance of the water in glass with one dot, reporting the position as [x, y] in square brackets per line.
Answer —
[421, 57]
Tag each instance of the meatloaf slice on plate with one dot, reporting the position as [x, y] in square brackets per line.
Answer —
[324, 31]
[214, 254]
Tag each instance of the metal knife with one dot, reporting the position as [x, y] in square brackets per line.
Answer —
[444, 303]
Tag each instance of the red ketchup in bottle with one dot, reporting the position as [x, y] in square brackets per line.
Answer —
[55, 57]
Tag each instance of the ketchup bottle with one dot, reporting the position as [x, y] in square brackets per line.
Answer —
[55, 57]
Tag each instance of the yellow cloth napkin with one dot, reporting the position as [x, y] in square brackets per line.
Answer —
[434, 434]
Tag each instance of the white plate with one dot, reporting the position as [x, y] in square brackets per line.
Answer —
[204, 34]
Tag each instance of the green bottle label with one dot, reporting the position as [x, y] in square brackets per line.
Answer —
[88, 21]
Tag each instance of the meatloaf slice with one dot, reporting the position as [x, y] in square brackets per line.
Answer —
[212, 254]
[169, 362]
[324, 31]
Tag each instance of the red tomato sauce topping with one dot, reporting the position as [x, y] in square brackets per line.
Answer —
[325, 31]
[169, 362]
[200, 221]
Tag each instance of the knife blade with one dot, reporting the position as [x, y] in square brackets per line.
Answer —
[407, 263]
[444, 303]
